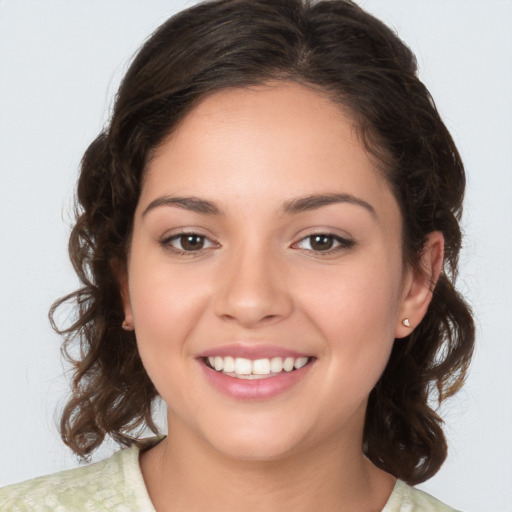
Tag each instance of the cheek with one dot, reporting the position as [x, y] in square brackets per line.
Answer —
[356, 311]
[166, 307]
[164, 319]
[356, 298]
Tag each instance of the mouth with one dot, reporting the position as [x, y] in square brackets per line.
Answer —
[255, 369]
[254, 372]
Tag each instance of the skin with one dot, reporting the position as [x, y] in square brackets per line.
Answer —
[257, 280]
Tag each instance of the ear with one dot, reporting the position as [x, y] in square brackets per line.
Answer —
[121, 273]
[419, 285]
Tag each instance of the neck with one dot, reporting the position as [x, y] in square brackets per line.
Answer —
[183, 473]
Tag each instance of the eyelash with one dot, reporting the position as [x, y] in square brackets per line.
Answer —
[167, 243]
[342, 244]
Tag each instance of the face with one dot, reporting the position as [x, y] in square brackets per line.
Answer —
[265, 276]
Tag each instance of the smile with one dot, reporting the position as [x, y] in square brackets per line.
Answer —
[244, 371]
[243, 368]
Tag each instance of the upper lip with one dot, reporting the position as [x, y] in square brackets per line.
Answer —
[251, 351]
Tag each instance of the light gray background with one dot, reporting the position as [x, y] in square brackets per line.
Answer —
[60, 63]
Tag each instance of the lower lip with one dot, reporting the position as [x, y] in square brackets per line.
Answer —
[254, 389]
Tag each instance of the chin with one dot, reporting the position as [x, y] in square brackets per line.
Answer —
[249, 450]
[259, 441]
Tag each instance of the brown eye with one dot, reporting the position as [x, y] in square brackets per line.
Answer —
[187, 242]
[321, 242]
[190, 242]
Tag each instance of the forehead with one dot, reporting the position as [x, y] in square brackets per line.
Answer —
[276, 141]
[268, 115]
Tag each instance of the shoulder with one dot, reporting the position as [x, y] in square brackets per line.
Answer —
[114, 484]
[408, 499]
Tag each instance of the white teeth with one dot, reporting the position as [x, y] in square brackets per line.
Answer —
[261, 367]
[247, 368]
[276, 364]
[219, 363]
[300, 362]
[243, 366]
[229, 364]
[288, 364]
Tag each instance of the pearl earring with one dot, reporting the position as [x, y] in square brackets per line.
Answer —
[406, 323]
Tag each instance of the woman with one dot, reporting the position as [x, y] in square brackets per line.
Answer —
[268, 238]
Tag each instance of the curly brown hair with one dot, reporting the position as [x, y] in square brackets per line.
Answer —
[337, 47]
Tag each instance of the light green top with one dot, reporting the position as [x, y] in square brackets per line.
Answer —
[116, 485]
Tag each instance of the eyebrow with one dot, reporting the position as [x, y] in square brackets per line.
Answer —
[298, 205]
[315, 201]
[191, 203]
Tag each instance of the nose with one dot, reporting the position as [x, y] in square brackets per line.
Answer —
[252, 289]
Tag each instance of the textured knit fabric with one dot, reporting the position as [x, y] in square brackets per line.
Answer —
[113, 485]
[116, 485]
